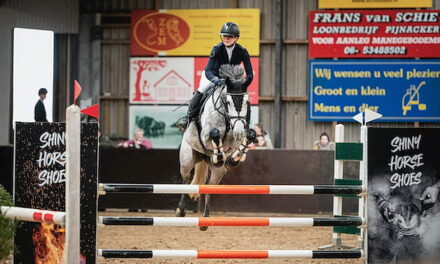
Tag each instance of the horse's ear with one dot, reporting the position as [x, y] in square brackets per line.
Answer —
[228, 82]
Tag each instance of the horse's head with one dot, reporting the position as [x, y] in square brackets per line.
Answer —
[237, 102]
[402, 212]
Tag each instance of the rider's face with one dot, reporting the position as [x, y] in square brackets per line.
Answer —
[229, 40]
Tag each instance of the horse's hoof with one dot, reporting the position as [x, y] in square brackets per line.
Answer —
[231, 163]
[203, 228]
[180, 212]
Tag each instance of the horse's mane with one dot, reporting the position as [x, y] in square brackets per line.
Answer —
[234, 72]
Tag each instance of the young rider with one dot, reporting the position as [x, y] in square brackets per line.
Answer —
[226, 52]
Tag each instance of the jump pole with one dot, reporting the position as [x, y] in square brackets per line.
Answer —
[34, 215]
[231, 254]
[363, 176]
[73, 184]
[338, 174]
[231, 221]
[105, 188]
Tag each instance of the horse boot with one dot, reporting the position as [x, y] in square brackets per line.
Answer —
[193, 111]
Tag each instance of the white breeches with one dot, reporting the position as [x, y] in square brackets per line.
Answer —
[204, 83]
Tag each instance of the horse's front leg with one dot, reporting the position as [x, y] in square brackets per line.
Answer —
[218, 157]
[239, 155]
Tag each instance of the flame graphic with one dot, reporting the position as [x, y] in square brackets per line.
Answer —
[48, 242]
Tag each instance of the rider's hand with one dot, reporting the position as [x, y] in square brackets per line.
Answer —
[218, 82]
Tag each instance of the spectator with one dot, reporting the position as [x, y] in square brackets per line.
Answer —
[263, 138]
[40, 110]
[139, 142]
[324, 143]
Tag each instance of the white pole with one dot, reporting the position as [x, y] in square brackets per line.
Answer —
[73, 183]
[363, 176]
[338, 174]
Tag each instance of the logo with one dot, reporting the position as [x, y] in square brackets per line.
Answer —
[161, 32]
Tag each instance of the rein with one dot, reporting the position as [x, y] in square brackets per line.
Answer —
[224, 112]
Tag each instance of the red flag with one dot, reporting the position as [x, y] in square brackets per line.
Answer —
[92, 111]
[76, 91]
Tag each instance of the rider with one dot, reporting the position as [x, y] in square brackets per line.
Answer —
[226, 52]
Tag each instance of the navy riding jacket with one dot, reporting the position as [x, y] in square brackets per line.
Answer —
[219, 56]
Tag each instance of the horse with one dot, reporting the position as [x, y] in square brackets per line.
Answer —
[220, 140]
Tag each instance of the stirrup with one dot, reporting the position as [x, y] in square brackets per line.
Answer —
[182, 123]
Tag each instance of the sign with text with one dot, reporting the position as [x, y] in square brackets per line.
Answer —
[403, 191]
[39, 183]
[400, 90]
[190, 32]
[374, 34]
[173, 80]
[374, 4]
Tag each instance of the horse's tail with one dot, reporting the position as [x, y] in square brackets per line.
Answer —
[200, 176]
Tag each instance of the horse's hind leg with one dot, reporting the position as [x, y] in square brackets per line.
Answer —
[216, 175]
[187, 161]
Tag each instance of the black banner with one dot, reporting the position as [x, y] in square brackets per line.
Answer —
[40, 176]
[403, 190]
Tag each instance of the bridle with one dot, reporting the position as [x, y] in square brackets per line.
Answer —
[230, 123]
[238, 117]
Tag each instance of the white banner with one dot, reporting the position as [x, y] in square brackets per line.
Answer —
[161, 80]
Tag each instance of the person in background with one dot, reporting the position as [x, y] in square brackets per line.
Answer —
[139, 142]
[40, 110]
[263, 138]
[324, 143]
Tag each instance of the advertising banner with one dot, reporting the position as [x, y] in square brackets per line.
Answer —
[190, 32]
[173, 80]
[161, 80]
[39, 183]
[400, 90]
[403, 191]
[374, 34]
[374, 4]
[158, 123]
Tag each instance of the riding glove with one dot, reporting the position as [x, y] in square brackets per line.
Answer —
[218, 82]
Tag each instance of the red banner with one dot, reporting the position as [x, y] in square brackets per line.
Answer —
[253, 89]
[374, 34]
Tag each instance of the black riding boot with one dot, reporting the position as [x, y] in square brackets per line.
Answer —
[193, 111]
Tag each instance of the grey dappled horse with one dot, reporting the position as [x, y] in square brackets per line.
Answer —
[224, 135]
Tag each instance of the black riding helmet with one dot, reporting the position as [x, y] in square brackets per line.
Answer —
[230, 29]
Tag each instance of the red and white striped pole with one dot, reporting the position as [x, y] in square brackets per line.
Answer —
[231, 254]
[231, 221]
[228, 189]
[34, 215]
